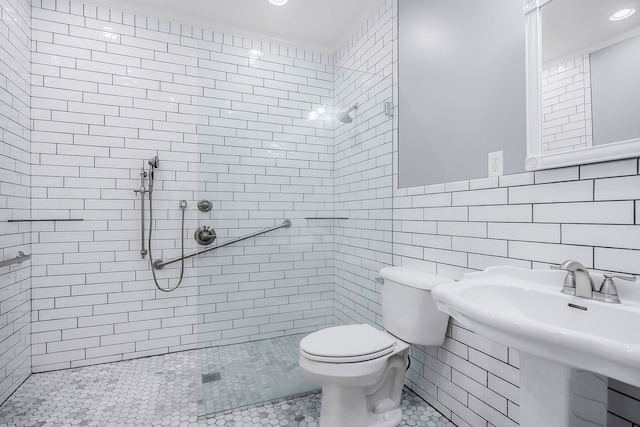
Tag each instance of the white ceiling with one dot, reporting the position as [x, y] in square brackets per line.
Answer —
[575, 27]
[319, 25]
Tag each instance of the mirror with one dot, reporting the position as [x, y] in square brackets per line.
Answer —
[583, 81]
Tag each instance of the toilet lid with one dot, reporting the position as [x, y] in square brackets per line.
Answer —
[349, 343]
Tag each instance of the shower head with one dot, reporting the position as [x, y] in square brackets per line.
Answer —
[344, 116]
[154, 162]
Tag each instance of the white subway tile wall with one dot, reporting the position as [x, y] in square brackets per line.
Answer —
[363, 168]
[566, 106]
[470, 379]
[15, 281]
[228, 117]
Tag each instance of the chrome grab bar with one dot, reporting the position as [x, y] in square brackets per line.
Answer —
[159, 264]
[17, 260]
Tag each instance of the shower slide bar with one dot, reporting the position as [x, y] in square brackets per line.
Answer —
[17, 260]
[159, 264]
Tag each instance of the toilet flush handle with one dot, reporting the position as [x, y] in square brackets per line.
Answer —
[380, 280]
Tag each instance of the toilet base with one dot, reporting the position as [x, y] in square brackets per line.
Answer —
[343, 406]
[374, 405]
[347, 406]
[392, 418]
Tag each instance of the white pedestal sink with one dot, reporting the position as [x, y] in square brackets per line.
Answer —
[553, 394]
[568, 345]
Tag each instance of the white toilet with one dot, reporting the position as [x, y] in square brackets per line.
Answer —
[361, 369]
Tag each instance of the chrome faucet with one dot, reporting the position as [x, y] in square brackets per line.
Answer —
[578, 281]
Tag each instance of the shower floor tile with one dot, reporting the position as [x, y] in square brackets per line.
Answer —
[258, 371]
[163, 391]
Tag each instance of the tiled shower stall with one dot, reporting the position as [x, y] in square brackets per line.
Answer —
[245, 123]
[90, 93]
[229, 126]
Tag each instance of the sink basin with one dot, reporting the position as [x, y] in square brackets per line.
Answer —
[525, 310]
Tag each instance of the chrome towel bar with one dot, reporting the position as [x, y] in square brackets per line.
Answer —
[17, 260]
[159, 264]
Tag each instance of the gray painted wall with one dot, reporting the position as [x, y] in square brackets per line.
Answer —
[461, 89]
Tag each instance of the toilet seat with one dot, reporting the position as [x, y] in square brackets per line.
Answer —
[347, 344]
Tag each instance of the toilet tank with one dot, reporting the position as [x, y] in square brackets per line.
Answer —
[408, 310]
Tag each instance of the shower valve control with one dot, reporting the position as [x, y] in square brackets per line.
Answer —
[205, 205]
[205, 235]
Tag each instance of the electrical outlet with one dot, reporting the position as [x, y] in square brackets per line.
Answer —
[495, 163]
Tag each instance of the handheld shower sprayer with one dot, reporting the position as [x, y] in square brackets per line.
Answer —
[154, 163]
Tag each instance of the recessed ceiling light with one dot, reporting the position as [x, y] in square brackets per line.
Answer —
[622, 14]
[278, 2]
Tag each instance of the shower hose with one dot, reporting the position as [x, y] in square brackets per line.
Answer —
[183, 205]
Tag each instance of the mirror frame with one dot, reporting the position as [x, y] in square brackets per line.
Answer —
[536, 159]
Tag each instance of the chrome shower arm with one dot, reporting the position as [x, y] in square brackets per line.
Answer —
[159, 264]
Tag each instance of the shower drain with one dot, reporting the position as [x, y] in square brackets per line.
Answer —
[209, 378]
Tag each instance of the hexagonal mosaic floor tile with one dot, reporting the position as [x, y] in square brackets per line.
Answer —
[167, 391]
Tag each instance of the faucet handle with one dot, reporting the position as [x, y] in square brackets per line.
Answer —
[630, 278]
[608, 291]
[204, 234]
[569, 285]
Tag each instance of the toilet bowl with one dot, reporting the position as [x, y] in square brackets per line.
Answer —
[353, 362]
[361, 369]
